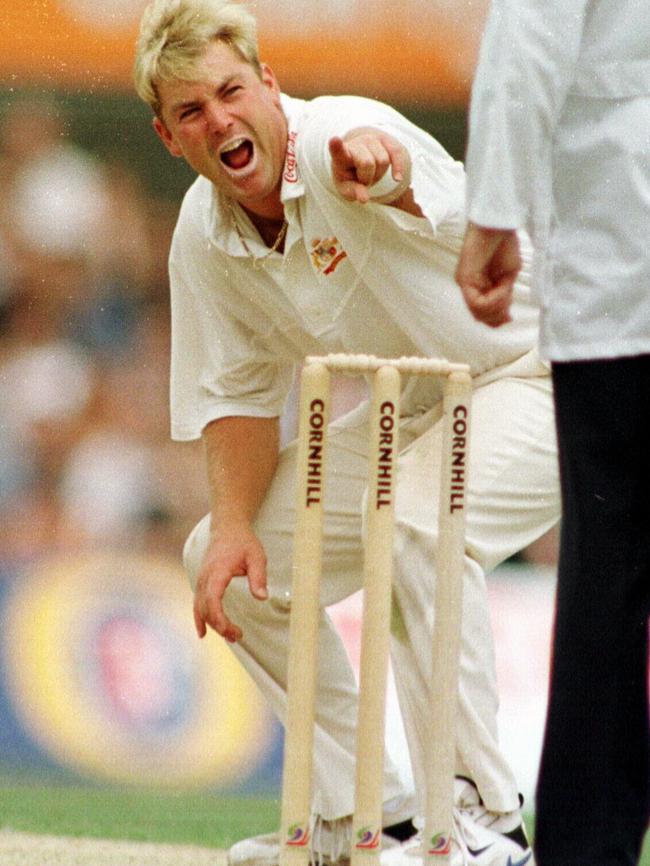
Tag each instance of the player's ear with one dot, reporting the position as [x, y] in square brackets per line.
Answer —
[167, 138]
[269, 79]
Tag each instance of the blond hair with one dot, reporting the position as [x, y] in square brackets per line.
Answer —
[174, 35]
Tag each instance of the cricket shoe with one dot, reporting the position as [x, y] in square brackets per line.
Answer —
[329, 844]
[479, 837]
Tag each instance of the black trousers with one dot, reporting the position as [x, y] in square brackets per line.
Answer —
[593, 788]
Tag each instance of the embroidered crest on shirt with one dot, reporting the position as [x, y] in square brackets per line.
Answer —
[327, 255]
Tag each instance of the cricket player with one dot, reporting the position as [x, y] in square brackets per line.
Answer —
[334, 225]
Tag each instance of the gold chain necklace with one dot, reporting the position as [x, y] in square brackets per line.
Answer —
[258, 261]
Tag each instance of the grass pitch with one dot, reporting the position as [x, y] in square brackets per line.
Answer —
[135, 815]
[205, 825]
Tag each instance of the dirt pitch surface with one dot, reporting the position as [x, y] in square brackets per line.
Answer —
[27, 849]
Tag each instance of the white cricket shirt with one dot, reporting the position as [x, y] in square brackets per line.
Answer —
[352, 278]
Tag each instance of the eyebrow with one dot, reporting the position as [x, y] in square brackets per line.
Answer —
[221, 87]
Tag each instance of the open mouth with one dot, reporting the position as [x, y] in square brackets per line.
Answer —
[238, 154]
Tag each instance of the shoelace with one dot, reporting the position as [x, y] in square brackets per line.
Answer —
[479, 815]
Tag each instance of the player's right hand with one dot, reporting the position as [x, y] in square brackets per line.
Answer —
[362, 157]
[236, 553]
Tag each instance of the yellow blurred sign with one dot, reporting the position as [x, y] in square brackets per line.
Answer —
[417, 51]
[106, 676]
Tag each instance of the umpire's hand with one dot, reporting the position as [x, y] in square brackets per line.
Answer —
[487, 269]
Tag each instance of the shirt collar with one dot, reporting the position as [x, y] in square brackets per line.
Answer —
[292, 183]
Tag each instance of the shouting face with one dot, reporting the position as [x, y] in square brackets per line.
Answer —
[229, 126]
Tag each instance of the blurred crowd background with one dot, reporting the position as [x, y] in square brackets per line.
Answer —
[85, 457]
[88, 202]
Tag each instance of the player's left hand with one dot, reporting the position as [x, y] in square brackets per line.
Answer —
[362, 158]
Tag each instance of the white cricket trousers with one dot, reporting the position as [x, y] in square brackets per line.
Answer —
[513, 498]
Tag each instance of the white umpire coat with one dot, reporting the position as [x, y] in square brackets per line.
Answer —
[560, 142]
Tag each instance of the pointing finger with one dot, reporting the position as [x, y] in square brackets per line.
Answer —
[339, 153]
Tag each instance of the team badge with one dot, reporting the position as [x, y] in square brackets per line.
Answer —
[327, 255]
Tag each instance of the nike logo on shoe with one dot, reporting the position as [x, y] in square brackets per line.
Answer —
[476, 852]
